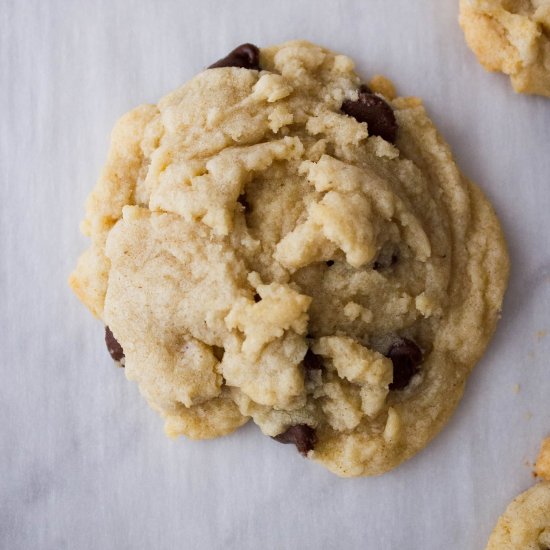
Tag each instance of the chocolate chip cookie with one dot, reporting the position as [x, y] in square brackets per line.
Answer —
[511, 36]
[525, 524]
[279, 241]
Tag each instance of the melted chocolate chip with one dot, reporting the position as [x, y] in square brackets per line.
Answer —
[406, 357]
[330, 263]
[245, 56]
[312, 361]
[301, 435]
[113, 347]
[373, 110]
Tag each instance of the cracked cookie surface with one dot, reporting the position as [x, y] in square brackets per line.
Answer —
[513, 37]
[277, 241]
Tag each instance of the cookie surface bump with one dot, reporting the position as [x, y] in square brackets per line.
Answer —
[259, 253]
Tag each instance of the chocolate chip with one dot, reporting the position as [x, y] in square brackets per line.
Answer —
[246, 56]
[312, 361]
[373, 110]
[301, 435]
[330, 263]
[405, 356]
[257, 297]
[113, 347]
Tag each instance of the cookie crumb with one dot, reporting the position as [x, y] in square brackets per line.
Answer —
[516, 388]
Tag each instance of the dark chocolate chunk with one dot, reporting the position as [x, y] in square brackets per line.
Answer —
[312, 361]
[257, 297]
[406, 357]
[246, 56]
[301, 435]
[113, 347]
[373, 110]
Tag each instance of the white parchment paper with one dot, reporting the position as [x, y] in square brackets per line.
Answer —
[84, 463]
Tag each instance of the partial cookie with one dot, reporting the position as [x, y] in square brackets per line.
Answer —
[511, 36]
[542, 466]
[277, 241]
[525, 525]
